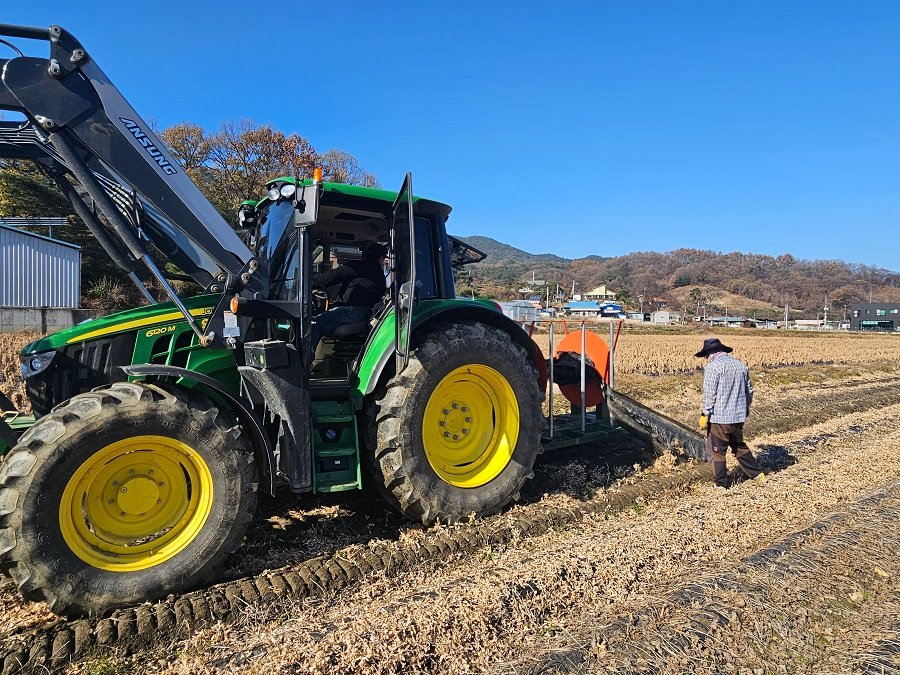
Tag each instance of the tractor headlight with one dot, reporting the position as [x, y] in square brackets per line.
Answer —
[274, 194]
[32, 364]
[288, 190]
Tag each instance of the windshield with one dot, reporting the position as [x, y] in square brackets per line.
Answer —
[278, 245]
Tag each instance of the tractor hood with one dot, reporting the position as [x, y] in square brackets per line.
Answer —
[200, 306]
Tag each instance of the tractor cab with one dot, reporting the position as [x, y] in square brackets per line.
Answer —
[317, 240]
[163, 423]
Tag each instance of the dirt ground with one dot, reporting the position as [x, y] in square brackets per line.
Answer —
[798, 573]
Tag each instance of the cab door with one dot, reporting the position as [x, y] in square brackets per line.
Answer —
[403, 271]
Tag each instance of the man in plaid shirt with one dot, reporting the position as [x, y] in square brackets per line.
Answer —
[727, 395]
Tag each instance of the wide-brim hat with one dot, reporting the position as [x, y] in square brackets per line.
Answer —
[711, 345]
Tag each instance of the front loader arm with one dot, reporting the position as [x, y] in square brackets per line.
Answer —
[93, 131]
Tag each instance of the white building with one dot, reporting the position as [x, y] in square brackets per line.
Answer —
[665, 317]
[520, 310]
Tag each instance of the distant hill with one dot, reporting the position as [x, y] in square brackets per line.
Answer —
[499, 252]
[723, 301]
[741, 283]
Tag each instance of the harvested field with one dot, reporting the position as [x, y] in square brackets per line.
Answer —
[670, 354]
[614, 561]
[10, 373]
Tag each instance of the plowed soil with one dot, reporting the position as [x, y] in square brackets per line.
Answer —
[797, 573]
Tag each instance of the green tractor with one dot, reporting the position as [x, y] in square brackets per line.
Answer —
[156, 428]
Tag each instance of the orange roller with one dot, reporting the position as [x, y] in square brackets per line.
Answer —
[597, 351]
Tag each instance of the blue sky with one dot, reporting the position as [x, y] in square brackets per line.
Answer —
[572, 128]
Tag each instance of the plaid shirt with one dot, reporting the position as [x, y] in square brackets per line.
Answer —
[727, 390]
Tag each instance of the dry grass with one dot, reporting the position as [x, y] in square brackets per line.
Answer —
[669, 354]
[509, 610]
[10, 372]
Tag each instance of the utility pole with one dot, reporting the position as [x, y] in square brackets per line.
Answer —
[785, 316]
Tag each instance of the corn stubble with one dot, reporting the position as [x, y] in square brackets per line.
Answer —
[573, 595]
[11, 382]
[674, 354]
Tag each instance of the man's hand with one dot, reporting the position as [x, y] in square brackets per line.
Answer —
[703, 423]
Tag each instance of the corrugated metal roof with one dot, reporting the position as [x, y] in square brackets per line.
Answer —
[36, 271]
[6, 224]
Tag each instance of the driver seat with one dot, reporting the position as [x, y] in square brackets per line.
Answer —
[348, 330]
[338, 348]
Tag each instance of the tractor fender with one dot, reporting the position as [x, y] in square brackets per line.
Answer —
[262, 447]
[372, 370]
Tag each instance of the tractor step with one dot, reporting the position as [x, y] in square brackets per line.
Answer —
[567, 431]
[334, 419]
[335, 447]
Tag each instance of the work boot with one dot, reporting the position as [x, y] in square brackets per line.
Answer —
[736, 477]
[748, 464]
[720, 474]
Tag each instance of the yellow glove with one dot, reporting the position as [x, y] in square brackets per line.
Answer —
[703, 422]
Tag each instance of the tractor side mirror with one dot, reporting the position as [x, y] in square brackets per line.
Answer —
[404, 295]
[247, 220]
[247, 217]
[306, 205]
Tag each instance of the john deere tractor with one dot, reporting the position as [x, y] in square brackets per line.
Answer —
[156, 428]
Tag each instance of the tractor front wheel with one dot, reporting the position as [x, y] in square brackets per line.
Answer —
[459, 430]
[122, 495]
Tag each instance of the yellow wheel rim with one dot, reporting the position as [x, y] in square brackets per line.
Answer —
[471, 426]
[136, 503]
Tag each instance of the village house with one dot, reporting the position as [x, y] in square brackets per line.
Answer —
[600, 293]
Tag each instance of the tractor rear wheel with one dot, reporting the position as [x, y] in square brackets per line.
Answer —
[122, 495]
[459, 430]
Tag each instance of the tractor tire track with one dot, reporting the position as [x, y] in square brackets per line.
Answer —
[365, 515]
[781, 408]
[134, 629]
[686, 629]
[507, 607]
[805, 407]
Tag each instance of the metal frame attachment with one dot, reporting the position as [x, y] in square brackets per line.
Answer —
[580, 426]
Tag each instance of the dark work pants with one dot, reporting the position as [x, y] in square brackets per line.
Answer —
[720, 437]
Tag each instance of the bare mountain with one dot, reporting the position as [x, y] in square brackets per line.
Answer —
[499, 253]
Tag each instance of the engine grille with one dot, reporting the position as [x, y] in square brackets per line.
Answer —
[79, 368]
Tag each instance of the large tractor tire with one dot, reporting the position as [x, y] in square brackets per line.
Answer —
[458, 431]
[124, 494]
